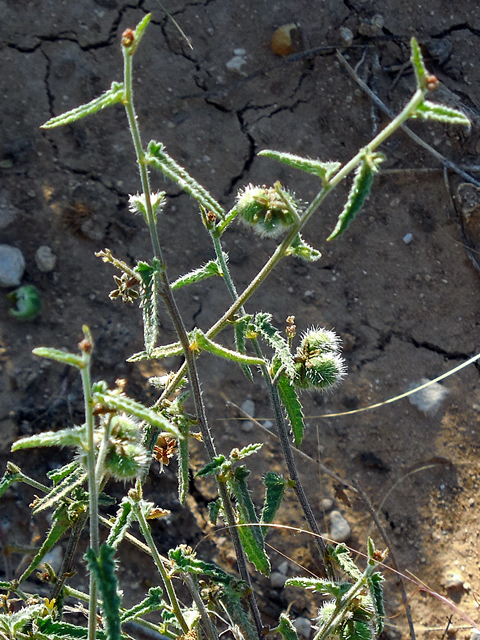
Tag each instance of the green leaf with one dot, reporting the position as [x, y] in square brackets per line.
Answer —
[140, 32]
[113, 96]
[342, 556]
[326, 587]
[184, 560]
[362, 183]
[116, 401]
[301, 249]
[374, 582]
[199, 341]
[63, 630]
[28, 301]
[211, 268]
[214, 510]
[74, 437]
[60, 356]
[138, 204]
[60, 523]
[57, 475]
[19, 621]
[158, 158]
[121, 524]
[11, 475]
[357, 630]
[212, 467]
[71, 482]
[240, 328]
[152, 602]
[262, 325]
[251, 537]
[149, 304]
[275, 488]
[286, 628]
[324, 170]
[250, 449]
[103, 566]
[288, 396]
[440, 112]
[167, 351]
[418, 65]
[183, 459]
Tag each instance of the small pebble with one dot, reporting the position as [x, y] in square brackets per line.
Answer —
[452, 580]
[277, 580]
[408, 239]
[12, 266]
[326, 504]
[283, 567]
[8, 213]
[303, 626]
[428, 400]
[45, 259]
[475, 635]
[346, 36]
[236, 63]
[247, 426]
[249, 407]
[268, 424]
[340, 530]
[373, 27]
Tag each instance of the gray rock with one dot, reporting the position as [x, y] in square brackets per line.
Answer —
[326, 504]
[340, 530]
[249, 407]
[303, 627]
[277, 580]
[475, 635]
[12, 266]
[283, 567]
[45, 258]
[452, 580]
[8, 212]
[408, 238]
[247, 426]
[372, 27]
[346, 36]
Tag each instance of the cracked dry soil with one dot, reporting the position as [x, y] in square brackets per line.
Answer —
[404, 311]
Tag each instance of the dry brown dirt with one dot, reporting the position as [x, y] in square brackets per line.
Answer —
[404, 311]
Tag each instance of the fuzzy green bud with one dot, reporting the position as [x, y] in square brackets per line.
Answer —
[318, 363]
[126, 461]
[269, 210]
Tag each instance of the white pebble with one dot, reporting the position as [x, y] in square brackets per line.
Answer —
[475, 635]
[12, 266]
[326, 504]
[249, 407]
[45, 258]
[340, 530]
[346, 36]
[247, 426]
[452, 580]
[408, 238]
[303, 626]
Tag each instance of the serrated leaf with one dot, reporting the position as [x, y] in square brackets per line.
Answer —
[214, 510]
[302, 249]
[362, 183]
[11, 475]
[57, 475]
[149, 304]
[418, 64]
[288, 396]
[63, 630]
[441, 113]
[212, 467]
[14, 623]
[72, 359]
[140, 32]
[324, 170]
[240, 329]
[152, 602]
[286, 628]
[158, 158]
[326, 587]
[251, 537]
[71, 482]
[121, 524]
[342, 556]
[184, 560]
[374, 582]
[73, 437]
[113, 400]
[274, 490]
[183, 459]
[262, 325]
[211, 268]
[356, 630]
[60, 523]
[199, 341]
[167, 351]
[103, 567]
[250, 449]
[112, 96]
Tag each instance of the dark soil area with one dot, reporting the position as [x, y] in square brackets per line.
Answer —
[407, 307]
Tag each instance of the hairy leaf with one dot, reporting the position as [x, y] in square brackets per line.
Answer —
[286, 628]
[63, 630]
[240, 329]
[374, 582]
[326, 587]
[149, 304]
[418, 64]
[199, 341]
[440, 112]
[74, 437]
[301, 249]
[211, 268]
[152, 602]
[275, 488]
[167, 351]
[158, 158]
[342, 556]
[324, 170]
[184, 560]
[362, 183]
[121, 524]
[213, 510]
[183, 459]
[60, 356]
[212, 467]
[57, 475]
[113, 96]
[103, 567]
[61, 490]
[288, 396]
[11, 475]
[262, 325]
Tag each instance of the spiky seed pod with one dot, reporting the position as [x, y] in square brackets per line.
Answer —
[126, 461]
[266, 209]
[318, 363]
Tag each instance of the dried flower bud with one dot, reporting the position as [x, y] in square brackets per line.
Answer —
[128, 36]
[266, 209]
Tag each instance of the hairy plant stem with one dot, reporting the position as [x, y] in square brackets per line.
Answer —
[192, 585]
[281, 425]
[167, 581]
[92, 489]
[282, 248]
[165, 292]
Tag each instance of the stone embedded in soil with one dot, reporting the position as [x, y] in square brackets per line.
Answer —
[452, 580]
[428, 400]
[8, 212]
[12, 266]
[249, 407]
[475, 635]
[45, 258]
[283, 567]
[340, 530]
[303, 627]
[277, 580]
